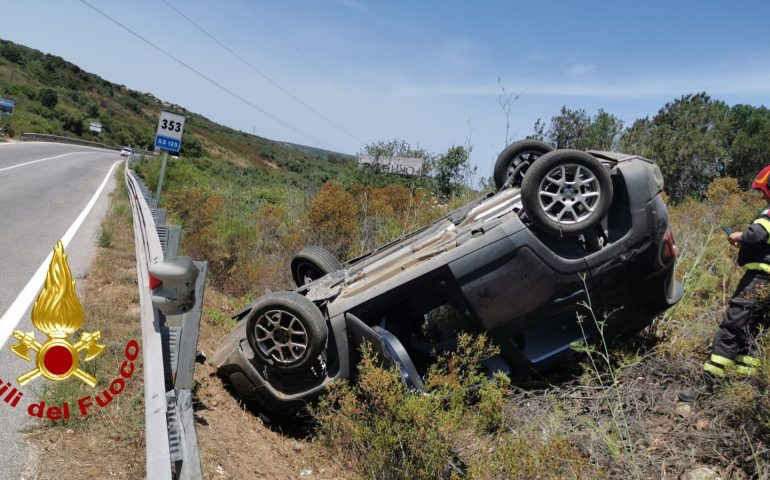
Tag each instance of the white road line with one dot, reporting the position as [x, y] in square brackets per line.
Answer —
[12, 316]
[44, 159]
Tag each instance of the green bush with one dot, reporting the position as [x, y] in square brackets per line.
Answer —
[455, 430]
[48, 97]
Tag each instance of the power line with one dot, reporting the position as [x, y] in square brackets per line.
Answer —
[319, 68]
[212, 81]
[262, 74]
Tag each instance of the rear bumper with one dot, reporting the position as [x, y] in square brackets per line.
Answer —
[235, 362]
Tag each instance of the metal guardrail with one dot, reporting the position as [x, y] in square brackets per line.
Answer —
[44, 137]
[169, 348]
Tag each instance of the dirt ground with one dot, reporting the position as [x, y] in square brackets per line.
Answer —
[639, 428]
[236, 444]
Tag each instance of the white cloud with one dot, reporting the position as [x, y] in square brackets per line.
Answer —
[580, 69]
[648, 86]
[354, 5]
[458, 52]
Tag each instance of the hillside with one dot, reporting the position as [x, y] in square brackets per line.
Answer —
[248, 204]
[55, 96]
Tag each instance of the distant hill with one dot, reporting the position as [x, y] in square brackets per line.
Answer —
[55, 96]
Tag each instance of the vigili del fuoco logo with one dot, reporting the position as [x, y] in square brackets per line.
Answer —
[58, 313]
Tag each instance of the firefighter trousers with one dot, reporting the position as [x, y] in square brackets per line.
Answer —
[745, 314]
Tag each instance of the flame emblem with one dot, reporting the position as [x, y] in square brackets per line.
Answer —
[57, 312]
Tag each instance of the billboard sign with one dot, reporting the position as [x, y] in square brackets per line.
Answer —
[96, 127]
[398, 165]
[169, 133]
[6, 106]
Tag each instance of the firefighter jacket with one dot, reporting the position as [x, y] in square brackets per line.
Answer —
[755, 244]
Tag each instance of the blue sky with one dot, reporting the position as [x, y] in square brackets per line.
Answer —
[418, 70]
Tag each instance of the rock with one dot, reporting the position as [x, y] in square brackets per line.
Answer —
[214, 403]
[683, 410]
[701, 473]
[296, 447]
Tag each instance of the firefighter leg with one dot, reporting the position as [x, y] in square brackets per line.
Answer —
[731, 340]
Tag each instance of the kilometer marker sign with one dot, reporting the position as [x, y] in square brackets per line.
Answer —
[169, 133]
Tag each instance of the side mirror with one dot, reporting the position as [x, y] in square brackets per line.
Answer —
[172, 282]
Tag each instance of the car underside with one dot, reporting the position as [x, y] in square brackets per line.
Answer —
[569, 238]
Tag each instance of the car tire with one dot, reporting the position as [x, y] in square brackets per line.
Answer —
[286, 331]
[312, 263]
[555, 203]
[516, 159]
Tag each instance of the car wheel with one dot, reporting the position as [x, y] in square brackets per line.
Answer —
[566, 192]
[312, 263]
[516, 159]
[286, 331]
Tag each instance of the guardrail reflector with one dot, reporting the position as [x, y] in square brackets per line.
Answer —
[154, 282]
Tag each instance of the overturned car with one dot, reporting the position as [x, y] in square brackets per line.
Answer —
[519, 265]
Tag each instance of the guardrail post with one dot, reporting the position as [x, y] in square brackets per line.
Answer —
[172, 242]
[188, 342]
[160, 178]
[190, 468]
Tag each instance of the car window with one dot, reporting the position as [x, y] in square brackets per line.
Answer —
[444, 323]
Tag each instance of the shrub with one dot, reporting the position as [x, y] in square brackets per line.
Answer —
[333, 219]
[455, 430]
[48, 98]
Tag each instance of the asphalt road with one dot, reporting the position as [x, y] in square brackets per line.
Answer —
[44, 189]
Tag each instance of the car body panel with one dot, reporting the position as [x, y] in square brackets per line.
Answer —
[526, 290]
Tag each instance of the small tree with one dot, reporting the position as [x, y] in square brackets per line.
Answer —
[568, 127]
[450, 170]
[602, 133]
[688, 139]
[748, 141]
[49, 98]
[538, 132]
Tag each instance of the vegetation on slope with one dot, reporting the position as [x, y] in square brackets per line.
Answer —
[57, 97]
